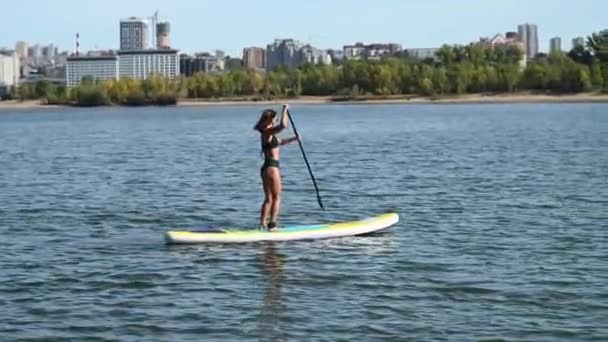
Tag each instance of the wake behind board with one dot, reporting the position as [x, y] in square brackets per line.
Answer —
[321, 231]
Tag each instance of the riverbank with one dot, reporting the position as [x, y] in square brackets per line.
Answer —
[395, 99]
[412, 99]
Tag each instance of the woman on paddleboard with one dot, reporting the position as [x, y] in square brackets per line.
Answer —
[270, 173]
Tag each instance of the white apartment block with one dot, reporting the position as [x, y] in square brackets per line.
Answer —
[356, 51]
[97, 67]
[141, 64]
[9, 68]
[134, 33]
[423, 53]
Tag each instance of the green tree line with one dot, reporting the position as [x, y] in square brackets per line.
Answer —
[455, 70]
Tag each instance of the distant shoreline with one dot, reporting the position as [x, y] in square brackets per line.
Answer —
[412, 99]
[396, 99]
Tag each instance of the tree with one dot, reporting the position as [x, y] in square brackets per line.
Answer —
[581, 55]
[226, 85]
[446, 55]
[439, 81]
[476, 54]
[508, 77]
[255, 82]
[406, 80]
[381, 81]
[240, 81]
[89, 95]
[356, 72]
[459, 77]
[478, 80]
[425, 87]
[293, 87]
[597, 79]
[43, 88]
[274, 84]
[27, 92]
[598, 43]
[535, 75]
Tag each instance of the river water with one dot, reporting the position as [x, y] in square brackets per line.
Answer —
[503, 231]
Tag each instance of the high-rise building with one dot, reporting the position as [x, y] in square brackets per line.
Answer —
[555, 45]
[34, 54]
[203, 62]
[96, 67]
[356, 51]
[134, 34]
[163, 35]
[336, 55]
[283, 52]
[578, 41]
[49, 52]
[311, 55]
[528, 33]
[254, 58]
[424, 53]
[9, 68]
[140, 64]
[370, 51]
[375, 51]
[220, 54]
[22, 50]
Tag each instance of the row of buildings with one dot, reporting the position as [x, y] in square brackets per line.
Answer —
[292, 53]
[145, 48]
[138, 56]
[528, 35]
[135, 33]
[37, 54]
[135, 64]
[555, 44]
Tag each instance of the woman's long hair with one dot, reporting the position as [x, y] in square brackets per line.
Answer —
[267, 116]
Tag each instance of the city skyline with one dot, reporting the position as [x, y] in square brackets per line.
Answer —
[414, 23]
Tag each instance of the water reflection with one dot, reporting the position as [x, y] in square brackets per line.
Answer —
[271, 326]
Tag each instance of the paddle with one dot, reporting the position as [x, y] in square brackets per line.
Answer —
[314, 181]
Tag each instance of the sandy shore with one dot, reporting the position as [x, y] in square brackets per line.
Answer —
[21, 104]
[398, 99]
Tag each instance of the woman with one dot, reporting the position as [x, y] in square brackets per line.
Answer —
[271, 176]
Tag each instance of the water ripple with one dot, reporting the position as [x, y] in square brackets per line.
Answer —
[502, 236]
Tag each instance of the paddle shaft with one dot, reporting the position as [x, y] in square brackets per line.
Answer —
[312, 176]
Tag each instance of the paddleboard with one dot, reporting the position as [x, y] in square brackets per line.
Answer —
[321, 231]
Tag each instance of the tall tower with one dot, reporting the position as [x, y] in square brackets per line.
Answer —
[134, 34]
[254, 58]
[578, 41]
[21, 48]
[163, 35]
[528, 33]
[77, 44]
[555, 45]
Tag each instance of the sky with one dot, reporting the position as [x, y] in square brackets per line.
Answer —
[231, 25]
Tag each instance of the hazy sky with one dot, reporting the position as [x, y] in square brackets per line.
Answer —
[230, 25]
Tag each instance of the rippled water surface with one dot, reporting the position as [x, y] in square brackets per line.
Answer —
[503, 232]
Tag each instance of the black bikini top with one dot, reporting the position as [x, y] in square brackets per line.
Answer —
[269, 145]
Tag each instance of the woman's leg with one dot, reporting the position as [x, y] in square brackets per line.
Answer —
[275, 193]
[266, 205]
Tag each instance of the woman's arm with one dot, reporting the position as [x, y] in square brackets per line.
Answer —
[289, 140]
[284, 121]
[284, 116]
